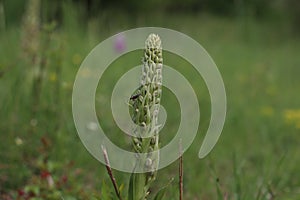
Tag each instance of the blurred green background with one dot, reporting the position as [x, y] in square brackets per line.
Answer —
[255, 45]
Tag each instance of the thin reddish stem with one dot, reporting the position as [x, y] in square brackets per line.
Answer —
[109, 171]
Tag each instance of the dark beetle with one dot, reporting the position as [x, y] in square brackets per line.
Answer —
[137, 93]
[134, 97]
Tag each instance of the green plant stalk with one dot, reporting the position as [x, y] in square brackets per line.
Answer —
[145, 108]
[30, 35]
[32, 49]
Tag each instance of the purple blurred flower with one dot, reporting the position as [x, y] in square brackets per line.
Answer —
[119, 43]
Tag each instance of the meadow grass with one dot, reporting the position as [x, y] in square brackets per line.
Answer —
[257, 155]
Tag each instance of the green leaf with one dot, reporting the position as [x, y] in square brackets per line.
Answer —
[219, 191]
[161, 193]
[121, 187]
[32, 188]
[136, 186]
[105, 191]
[130, 188]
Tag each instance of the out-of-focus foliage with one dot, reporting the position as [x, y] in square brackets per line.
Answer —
[41, 156]
[293, 6]
[54, 10]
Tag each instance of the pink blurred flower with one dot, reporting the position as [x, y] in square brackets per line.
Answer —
[119, 43]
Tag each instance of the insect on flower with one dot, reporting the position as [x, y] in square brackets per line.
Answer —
[136, 94]
[133, 97]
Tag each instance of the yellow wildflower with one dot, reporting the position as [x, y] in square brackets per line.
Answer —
[292, 117]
